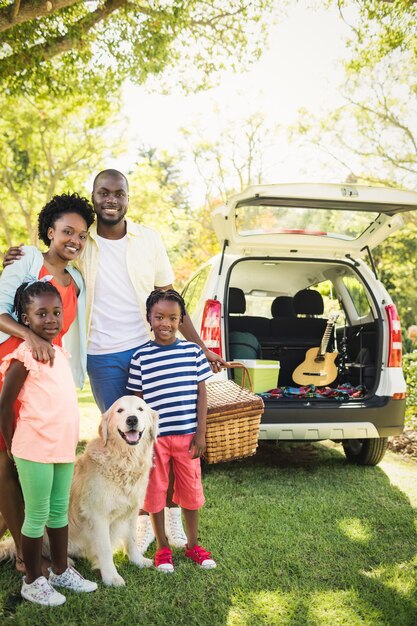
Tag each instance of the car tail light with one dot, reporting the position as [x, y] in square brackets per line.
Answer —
[395, 349]
[211, 332]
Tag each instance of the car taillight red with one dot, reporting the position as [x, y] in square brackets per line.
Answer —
[211, 332]
[395, 350]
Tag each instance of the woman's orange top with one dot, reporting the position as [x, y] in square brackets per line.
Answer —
[69, 304]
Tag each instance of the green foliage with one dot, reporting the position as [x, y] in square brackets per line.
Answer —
[106, 41]
[396, 262]
[410, 374]
[378, 29]
[159, 198]
[48, 147]
[372, 135]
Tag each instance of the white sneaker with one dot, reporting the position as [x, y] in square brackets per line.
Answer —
[41, 592]
[144, 533]
[173, 527]
[71, 579]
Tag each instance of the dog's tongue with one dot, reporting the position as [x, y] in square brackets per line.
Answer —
[132, 436]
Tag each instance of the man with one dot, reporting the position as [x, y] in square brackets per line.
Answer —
[122, 262]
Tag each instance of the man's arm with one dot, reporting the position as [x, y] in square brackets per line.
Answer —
[189, 332]
[14, 253]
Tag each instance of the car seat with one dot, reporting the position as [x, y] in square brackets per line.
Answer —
[282, 306]
[282, 310]
[296, 334]
[310, 329]
[237, 321]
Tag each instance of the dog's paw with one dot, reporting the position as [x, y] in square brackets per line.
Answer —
[143, 562]
[113, 580]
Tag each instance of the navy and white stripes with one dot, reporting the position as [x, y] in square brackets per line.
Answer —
[168, 377]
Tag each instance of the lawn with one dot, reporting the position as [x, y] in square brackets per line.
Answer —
[301, 538]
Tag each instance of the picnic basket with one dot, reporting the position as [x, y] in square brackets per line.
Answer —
[233, 418]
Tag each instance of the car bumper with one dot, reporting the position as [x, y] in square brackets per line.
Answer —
[299, 420]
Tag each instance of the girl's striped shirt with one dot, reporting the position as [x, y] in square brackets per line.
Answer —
[168, 377]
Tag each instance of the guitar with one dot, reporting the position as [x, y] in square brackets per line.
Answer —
[318, 367]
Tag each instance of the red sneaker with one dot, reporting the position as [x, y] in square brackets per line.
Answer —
[201, 556]
[163, 560]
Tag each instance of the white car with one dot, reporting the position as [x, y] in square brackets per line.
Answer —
[296, 273]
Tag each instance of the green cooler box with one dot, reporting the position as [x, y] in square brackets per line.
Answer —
[264, 374]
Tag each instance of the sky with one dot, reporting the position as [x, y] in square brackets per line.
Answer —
[302, 68]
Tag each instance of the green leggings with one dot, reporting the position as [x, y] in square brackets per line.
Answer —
[46, 489]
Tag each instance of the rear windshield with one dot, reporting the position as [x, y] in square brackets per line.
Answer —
[266, 219]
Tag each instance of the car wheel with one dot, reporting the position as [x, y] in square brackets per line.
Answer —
[365, 451]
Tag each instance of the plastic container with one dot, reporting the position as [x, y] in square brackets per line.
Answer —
[264, 374]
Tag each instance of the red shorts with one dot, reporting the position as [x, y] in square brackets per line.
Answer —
[7, 347]
[188, 488]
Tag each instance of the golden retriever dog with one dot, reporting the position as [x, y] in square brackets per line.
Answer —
[109, 486]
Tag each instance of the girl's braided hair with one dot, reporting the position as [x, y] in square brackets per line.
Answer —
[58, 206]
[27, 291]
[169, 294]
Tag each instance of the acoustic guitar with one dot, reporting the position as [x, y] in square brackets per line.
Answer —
[318, 367]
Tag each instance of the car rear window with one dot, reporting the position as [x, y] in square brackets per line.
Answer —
[265, 219]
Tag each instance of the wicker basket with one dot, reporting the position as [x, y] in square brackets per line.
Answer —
[233, 418]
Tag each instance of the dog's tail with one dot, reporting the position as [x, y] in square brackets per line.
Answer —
[7, 549]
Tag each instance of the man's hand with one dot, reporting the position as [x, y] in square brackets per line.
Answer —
[215, 360]
[14, 253]
[198, 445]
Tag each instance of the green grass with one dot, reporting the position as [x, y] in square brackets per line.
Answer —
[301, 538]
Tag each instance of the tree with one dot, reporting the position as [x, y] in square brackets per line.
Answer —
[396, 264]
[379, 27]
[107, 41]
[373, 134]
[159, 198]
[47, 148]
[234, 160]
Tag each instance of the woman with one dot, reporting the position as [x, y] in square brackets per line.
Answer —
[62, 226]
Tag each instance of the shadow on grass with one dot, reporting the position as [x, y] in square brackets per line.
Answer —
[344, 546]
[301, 538]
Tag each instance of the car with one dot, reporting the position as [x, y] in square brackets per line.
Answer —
[296, 284]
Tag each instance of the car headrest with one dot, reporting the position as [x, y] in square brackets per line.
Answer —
[308, 302]
[282, 306]
[237, 300]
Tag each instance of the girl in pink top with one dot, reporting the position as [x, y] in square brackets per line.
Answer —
[43, 444]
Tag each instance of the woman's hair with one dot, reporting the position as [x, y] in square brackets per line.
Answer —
[27, 291]
[59, 205]
[160, 294]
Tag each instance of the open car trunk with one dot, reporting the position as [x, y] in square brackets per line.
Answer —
[317, 318]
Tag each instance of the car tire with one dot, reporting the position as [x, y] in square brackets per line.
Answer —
[365, 451]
